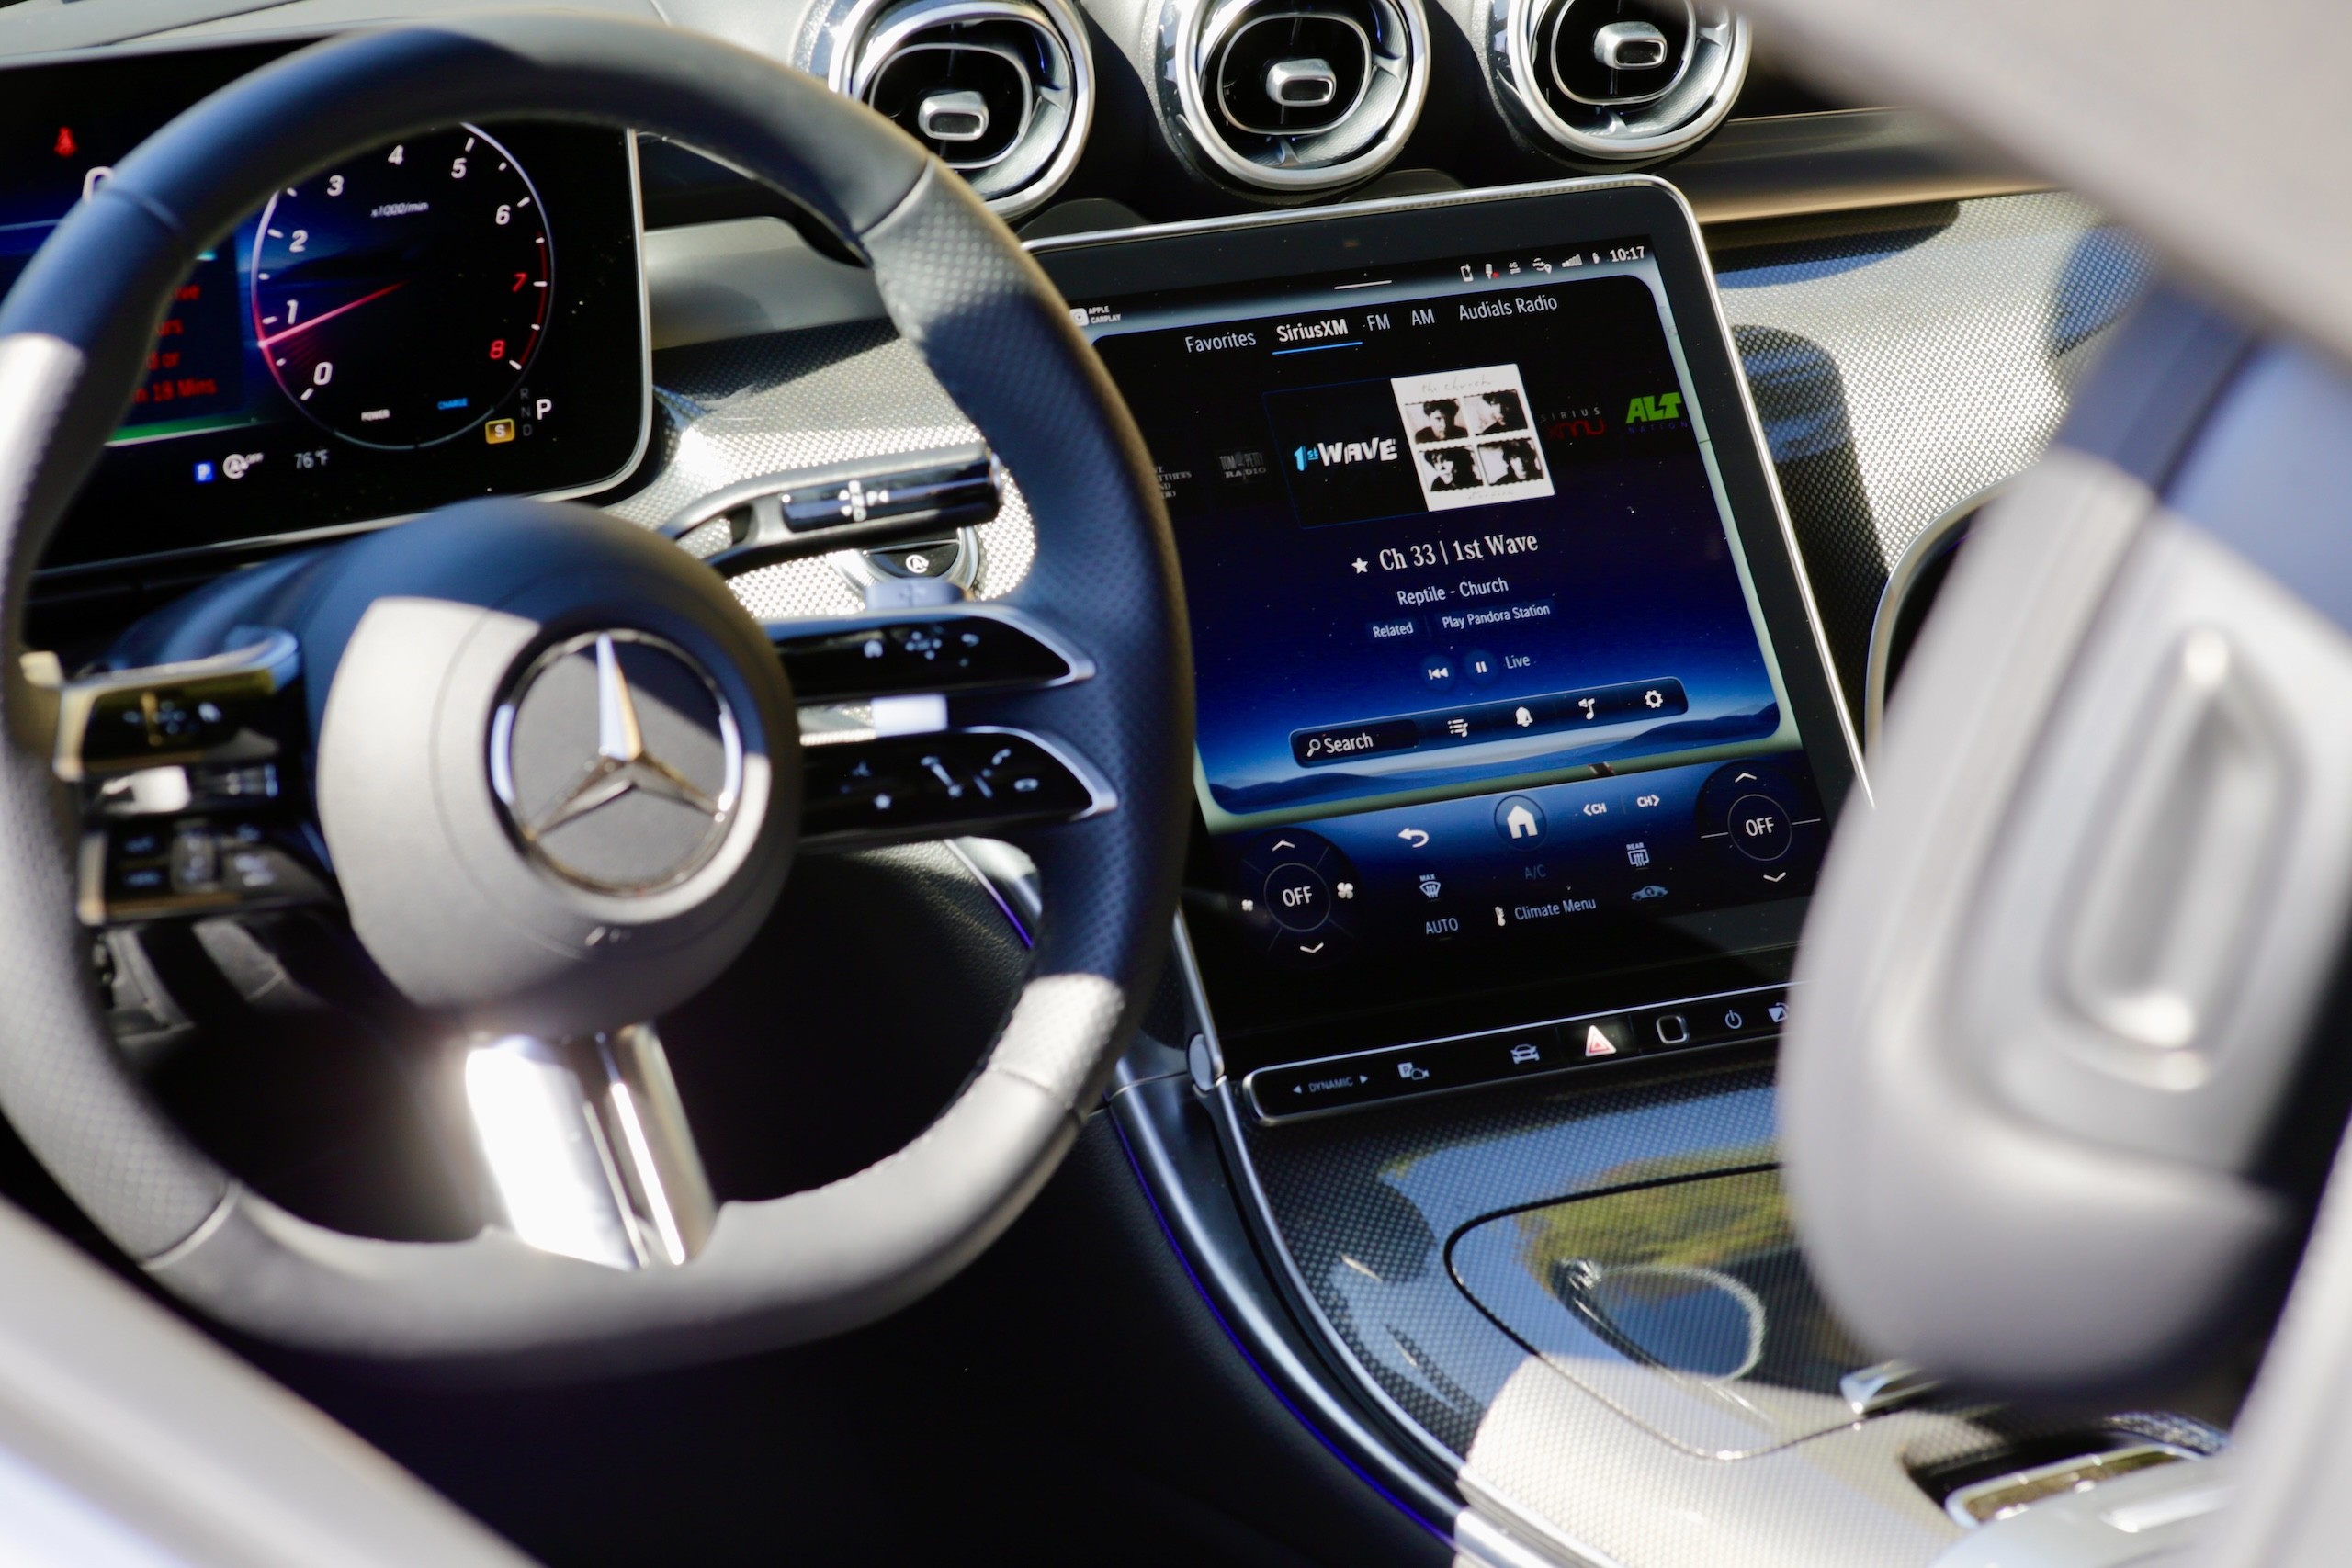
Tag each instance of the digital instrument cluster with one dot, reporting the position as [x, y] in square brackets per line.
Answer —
[1491, 695]
[459, 314]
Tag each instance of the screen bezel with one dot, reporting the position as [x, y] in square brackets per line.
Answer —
[1733, 945]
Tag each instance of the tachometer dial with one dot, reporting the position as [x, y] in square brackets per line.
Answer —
[398, 297]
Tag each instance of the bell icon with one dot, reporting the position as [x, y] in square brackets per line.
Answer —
[1523, 718]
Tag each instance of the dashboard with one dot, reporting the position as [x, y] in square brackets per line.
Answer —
[458, 315]
[1518, 738]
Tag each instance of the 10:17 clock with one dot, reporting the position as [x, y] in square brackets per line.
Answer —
[400, 298]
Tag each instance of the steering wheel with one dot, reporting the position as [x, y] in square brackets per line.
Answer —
[554, 764]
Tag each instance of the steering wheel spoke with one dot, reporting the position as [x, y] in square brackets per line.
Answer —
[587, 1145]
[185, 773]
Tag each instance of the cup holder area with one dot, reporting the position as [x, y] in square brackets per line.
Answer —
[1683, 1301]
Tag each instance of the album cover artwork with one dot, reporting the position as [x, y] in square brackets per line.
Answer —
[1473, 443]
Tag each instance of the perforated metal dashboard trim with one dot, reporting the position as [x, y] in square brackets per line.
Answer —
[1904, 361]
[733, 410]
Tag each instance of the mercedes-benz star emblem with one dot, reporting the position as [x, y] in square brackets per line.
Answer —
[650, 804]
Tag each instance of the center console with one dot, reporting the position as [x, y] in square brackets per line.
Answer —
[1518, 750]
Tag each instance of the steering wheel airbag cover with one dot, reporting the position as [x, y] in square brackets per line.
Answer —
[73, 337]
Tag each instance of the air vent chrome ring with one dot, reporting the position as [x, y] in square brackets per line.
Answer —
[1001, 90]
[1616, 80]
[1296, 96]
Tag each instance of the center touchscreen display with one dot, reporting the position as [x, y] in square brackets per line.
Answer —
[1488, 695]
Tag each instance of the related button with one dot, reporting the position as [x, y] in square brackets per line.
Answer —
[1760, 827]
[1519, 821]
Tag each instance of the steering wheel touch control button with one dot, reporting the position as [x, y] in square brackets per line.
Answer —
[957, 653]
[916, 785]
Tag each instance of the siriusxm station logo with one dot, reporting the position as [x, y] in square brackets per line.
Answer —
[1332, 453]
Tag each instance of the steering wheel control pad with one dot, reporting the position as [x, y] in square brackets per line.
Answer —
[558, 764]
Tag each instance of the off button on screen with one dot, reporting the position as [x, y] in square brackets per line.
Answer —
[1298, 898]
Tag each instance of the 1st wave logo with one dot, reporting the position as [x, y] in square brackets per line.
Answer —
[1332, 453]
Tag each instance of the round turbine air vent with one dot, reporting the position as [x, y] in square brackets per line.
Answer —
[1002, 91]
[1614, 80]
[1299, 95]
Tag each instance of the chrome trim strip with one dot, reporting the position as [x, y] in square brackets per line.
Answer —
[1230, 35]
[1183, 50]
[845, 41]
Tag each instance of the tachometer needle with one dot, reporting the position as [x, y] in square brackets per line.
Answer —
[331, 315]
